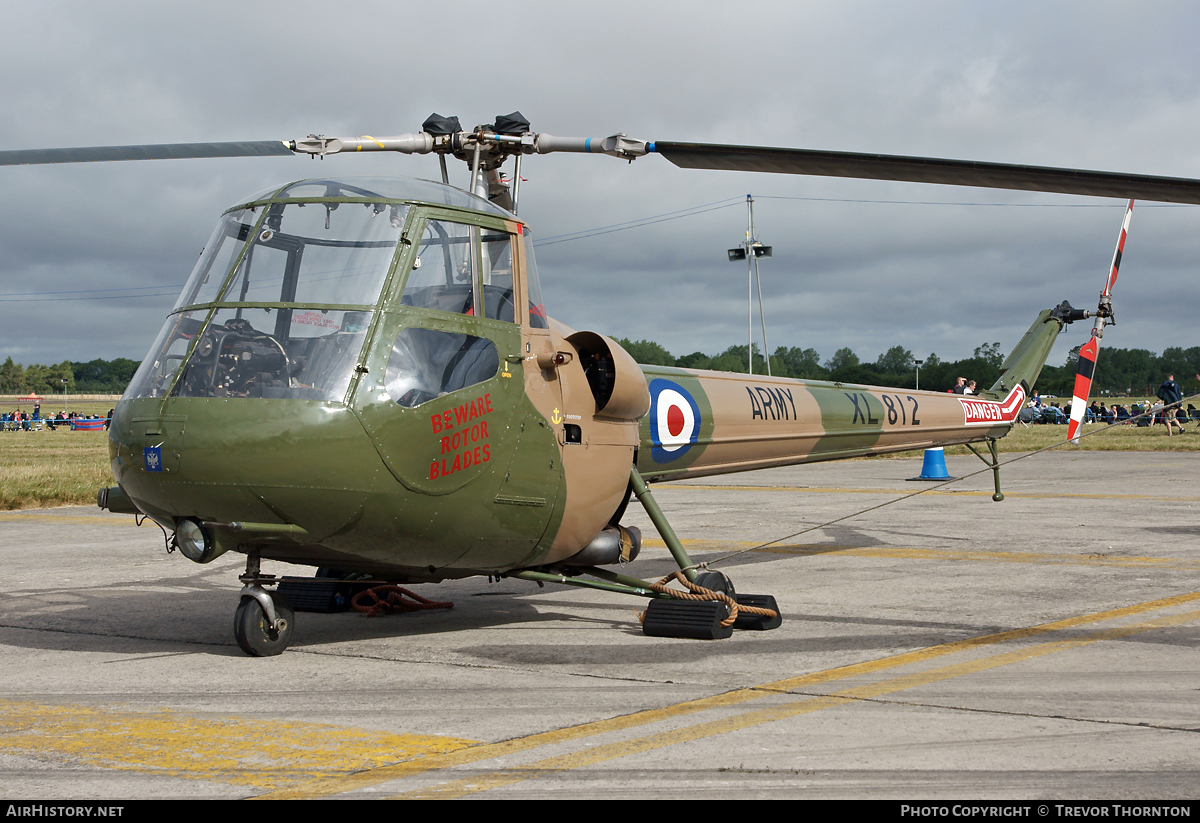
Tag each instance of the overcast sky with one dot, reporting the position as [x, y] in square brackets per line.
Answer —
[92, 255]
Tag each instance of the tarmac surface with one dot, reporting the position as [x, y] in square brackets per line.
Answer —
[945, 646]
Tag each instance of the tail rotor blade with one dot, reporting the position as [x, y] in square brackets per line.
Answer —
[1116, 263]
[1083, 386]
[1090, 350]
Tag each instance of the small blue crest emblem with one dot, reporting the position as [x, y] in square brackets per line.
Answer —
[153, 458]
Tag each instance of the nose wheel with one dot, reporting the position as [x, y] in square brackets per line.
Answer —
[263, 622]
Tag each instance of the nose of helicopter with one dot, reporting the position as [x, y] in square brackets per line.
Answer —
[304, 463]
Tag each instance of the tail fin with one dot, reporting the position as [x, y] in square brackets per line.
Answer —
[1025, 362]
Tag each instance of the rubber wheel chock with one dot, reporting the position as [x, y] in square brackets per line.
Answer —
[757, 622]
[694, 619]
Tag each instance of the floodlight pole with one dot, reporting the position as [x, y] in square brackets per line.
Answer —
[749, 286]
[918, 363]
[757, 279]
[751, 249]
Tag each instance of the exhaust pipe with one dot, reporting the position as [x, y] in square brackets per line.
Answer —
[616, 544]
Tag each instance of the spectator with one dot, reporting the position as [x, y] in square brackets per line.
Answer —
[1170, 395]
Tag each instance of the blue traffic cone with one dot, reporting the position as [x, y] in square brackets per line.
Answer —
[934, 467]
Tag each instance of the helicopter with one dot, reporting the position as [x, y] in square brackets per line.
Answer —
[360, 375]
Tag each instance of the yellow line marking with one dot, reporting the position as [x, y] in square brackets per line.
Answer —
[921, 655]
[487, 751]
[1004, 557]
[78, 519]
[260, 754]
[677, 486]
[599, 754]
[912, 553]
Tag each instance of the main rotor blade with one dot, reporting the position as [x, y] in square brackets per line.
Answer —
[930, 170]
[162, 151]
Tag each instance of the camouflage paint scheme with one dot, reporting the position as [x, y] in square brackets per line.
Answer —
[705, 423]
[521, 470]
[745, 422]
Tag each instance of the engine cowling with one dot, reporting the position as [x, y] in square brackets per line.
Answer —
[616, 380]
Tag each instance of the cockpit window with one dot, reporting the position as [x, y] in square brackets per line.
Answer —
[464, 270]
[282, 299]
[426, 364]
[443, 272]
[497, 276]
[217, 258]
[305, 354]
[156, 375]
[331, 253]
[537, 310]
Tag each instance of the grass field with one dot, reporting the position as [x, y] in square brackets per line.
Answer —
[54, 468]
[66, 468]
[1098, 438]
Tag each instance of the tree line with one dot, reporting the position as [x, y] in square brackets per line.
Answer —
[1133, 372]
[94, 377]
[1136, 372]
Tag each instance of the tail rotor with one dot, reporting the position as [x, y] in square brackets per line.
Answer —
[1089, 351]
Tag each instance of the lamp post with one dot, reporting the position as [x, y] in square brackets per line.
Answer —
[918, 363]
[750, 250]
[64, 382]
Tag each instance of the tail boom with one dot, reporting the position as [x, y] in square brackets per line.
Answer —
[706, 423]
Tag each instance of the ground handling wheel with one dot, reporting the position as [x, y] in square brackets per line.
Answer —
[717, 582]
[253, 630]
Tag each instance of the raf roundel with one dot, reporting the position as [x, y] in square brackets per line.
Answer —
[674, 421]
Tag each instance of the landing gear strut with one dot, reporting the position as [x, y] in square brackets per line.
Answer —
[994, 465]
[705, 611]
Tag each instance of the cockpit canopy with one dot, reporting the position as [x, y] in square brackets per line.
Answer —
[282, 300]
